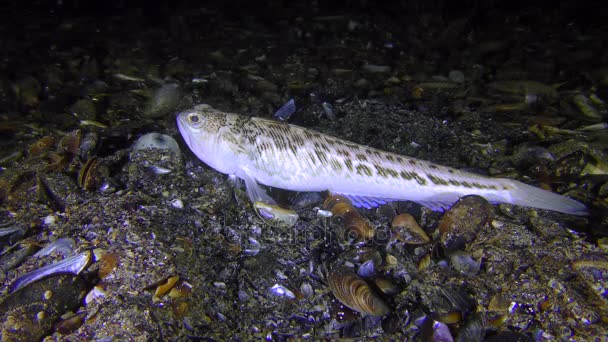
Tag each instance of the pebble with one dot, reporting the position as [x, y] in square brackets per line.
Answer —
[456, 76]
[373, 68]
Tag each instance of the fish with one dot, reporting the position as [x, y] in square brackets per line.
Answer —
[280, 155]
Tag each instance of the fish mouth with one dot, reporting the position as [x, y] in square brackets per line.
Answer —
[183, 128]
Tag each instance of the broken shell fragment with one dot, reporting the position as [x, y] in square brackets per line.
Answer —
[407, 230]
[166, 286]
[281, 291]
[95, 294]
[70, 324]
[74, 264]
[285, 112]
[182, 289]
[63, 246]
[355, 293]
[107, 264]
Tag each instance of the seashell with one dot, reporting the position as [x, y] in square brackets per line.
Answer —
[329, 111]
[342, 313]
[83, 109]
[155, 141]
[275, 213]
[70, 143]
[63, 246]
[355, 226]
[367, 269]
[450, 317]
[324, 214]
[464, 263]
[285, 112]
[180, 308]
[42, 145]
[159, 170]
[424, 262]
[354, 292]
[331, 201]
[586, 107]
[74, 264]
[407, 230]
[281, 291]
[8, 261]
[165, 286]
[182, 289]
[254, 249]
[107, 264]
[595, 275]
[307, 291]
[57, 161]
[92, 174]
[460, 224]
[500, 303]
[97, 292]
[31, 313]
[386, 286]
[9, 230]
[305, 200]
[436, 331]
[70, 324]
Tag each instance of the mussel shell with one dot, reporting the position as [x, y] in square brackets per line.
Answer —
[462, 222]
[92, 174]
[356, 226]
[355, 293]
[331, 201]
[70, 142]
[407, 230]
[30, 313]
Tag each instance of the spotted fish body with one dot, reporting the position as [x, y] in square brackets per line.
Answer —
[280, 155]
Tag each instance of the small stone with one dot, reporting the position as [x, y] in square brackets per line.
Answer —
[50, 220]
[373, 68]
[456, 76]
[177, 203]
[84, 109]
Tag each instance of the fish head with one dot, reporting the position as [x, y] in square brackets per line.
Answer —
[212, 136]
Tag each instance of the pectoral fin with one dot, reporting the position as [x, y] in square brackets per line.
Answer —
[255, 192]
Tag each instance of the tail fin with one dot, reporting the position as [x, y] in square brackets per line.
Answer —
[527, 195]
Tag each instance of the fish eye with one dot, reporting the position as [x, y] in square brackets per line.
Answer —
[194, 119]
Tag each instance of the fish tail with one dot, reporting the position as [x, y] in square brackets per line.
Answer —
[527, 195]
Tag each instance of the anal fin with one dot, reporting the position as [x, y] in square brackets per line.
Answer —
[365, 201]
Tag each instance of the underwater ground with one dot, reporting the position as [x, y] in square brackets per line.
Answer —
[108, 233]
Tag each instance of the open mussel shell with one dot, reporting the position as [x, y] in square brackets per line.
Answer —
[74, 265]
[92, 174]
[355, 293]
